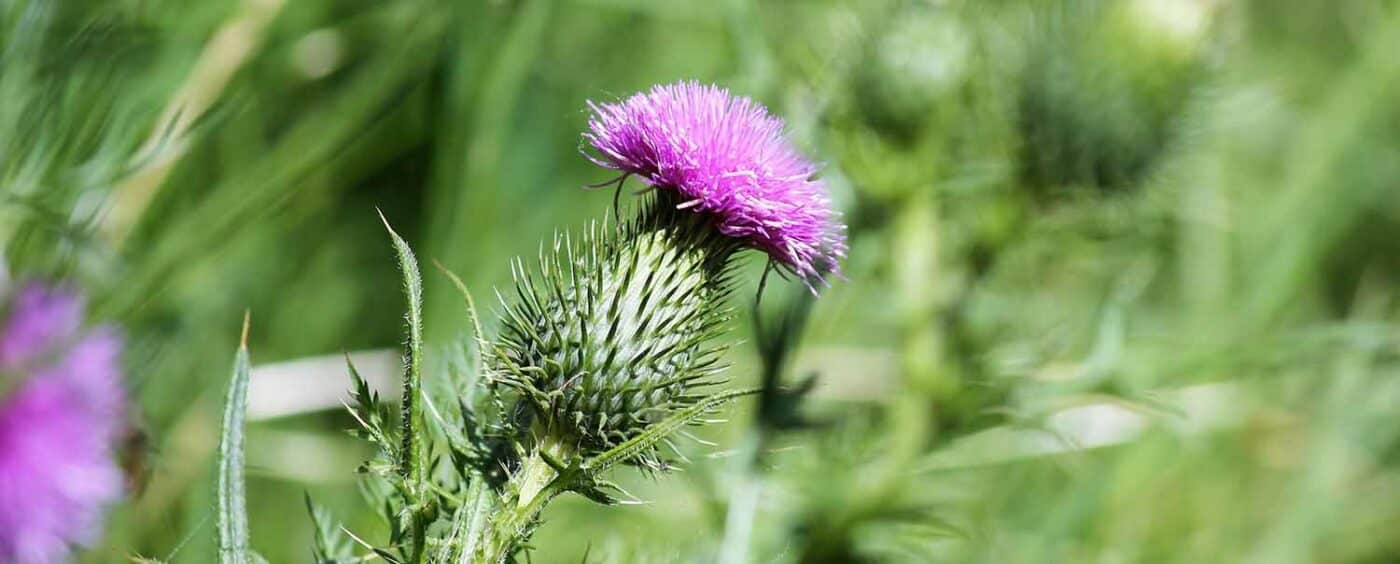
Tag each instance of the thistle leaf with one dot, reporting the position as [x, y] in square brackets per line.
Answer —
[233, 510]
[414, 455]
[658, 432]
[371, 414]
[482, 499]
[412, 463]
[330, 545]
[467, 527]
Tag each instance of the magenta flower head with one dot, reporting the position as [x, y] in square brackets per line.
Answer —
[61, 409]
[724, 156]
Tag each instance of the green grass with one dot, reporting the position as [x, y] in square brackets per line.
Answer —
[1052, 204]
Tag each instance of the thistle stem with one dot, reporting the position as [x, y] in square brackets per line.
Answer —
[535, 484]
[926, 373]
[535, 475]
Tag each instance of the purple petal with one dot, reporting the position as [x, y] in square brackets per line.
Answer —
[39, 318]
[57, 427]
[725, 156]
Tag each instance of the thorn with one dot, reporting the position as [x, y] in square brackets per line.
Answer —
[383, 219]
[697, 439]
[247, 317]
[356, 538]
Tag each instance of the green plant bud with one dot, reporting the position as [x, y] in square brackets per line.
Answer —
[911, 71]
[617, 332]
[1099, 93]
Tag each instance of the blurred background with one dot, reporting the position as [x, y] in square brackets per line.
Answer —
[1121, 286]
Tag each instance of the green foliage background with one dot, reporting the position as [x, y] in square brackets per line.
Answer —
[1051, 204]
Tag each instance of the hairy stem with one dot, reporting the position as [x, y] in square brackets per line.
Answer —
[535, 484]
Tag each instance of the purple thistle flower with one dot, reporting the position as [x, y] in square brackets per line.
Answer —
[61, 410]
[725, 156]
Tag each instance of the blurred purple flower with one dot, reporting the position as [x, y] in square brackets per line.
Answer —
[726, 156]
[61, 410]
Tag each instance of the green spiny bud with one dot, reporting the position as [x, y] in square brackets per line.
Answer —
[617, 332]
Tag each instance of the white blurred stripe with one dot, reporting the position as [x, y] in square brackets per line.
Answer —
[323, 382]
[1194, 409]
[318, 383]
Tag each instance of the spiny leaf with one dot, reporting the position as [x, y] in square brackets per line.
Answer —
[233, 511]
[411, 464]
[482, 499]
[330, 545]
[387, 556]
[656, 433]
[370, 413]
[467, 528]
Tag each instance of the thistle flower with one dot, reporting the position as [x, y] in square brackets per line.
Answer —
[60, 412]
[725, 157]
[619, 332]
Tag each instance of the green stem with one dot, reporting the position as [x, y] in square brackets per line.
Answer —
[925, 373]
[536, 484]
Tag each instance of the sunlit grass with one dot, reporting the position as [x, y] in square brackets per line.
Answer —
[1120, 288]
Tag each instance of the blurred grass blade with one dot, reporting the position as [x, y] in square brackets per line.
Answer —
[489, 83]
[233, 510]
[227, 51]
[255, 190]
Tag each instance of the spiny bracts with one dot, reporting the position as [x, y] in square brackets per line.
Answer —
[617, 331]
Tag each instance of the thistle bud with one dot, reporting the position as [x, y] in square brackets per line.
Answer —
[616, 332]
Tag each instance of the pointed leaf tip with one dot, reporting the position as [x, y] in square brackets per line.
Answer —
[247, 318]
[232, 503]
[382, 218]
